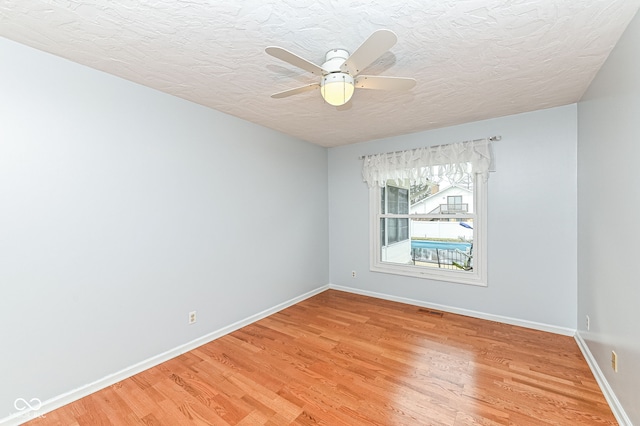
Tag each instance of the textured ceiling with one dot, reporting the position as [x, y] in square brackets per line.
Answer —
[472, 60]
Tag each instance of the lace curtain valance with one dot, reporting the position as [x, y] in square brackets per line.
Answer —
[430, 164]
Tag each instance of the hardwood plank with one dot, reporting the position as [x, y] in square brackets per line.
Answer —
[344, 359]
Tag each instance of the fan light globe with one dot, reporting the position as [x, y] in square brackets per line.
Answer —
[337, 88]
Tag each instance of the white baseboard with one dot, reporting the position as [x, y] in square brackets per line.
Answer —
[68, 397]
[475, 314]
[610, 396]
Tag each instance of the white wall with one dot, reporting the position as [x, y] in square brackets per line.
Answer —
[122, 209]
[608, 217]
[531, 225]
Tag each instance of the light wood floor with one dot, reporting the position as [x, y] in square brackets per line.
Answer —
[344, 359]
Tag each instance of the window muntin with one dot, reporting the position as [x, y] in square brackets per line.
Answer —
[438, 235]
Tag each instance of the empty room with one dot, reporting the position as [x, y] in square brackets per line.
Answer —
[319, 212]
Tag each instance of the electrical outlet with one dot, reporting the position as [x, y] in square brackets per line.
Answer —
[588, 323]
[353, 274]
[614, 361]
[192, 317]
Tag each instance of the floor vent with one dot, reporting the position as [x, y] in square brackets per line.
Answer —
[430, 312]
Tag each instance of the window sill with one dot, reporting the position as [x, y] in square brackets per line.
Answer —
[468, 278]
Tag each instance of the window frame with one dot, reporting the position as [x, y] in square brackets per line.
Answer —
[476, 277]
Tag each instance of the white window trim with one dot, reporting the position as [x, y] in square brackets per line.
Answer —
[476, 277]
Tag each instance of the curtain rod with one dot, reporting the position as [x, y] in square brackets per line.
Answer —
[490, 138]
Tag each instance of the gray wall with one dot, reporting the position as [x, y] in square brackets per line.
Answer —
[122, 209]
[608, 206]
[531, 224]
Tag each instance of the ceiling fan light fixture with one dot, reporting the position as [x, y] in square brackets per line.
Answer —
[337, 88]
[340, 70]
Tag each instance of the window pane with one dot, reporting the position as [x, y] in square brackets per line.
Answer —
[403, 201]
[392, 230]
[442, 243]
[397, 248]
[446, 199]
[403, 229]
[439, 243]
[392, 202]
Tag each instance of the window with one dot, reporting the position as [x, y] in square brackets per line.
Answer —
[454, 204]
[429, 221]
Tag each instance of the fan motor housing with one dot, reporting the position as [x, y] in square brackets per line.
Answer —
[334, 59]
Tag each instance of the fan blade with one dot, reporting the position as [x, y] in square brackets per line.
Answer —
[295, 60]
[377, 82]
[295, 91]
[372, 48]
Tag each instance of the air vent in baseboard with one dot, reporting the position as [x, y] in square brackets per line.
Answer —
[431, 312]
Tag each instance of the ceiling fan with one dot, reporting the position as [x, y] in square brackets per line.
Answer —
[341, 72]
